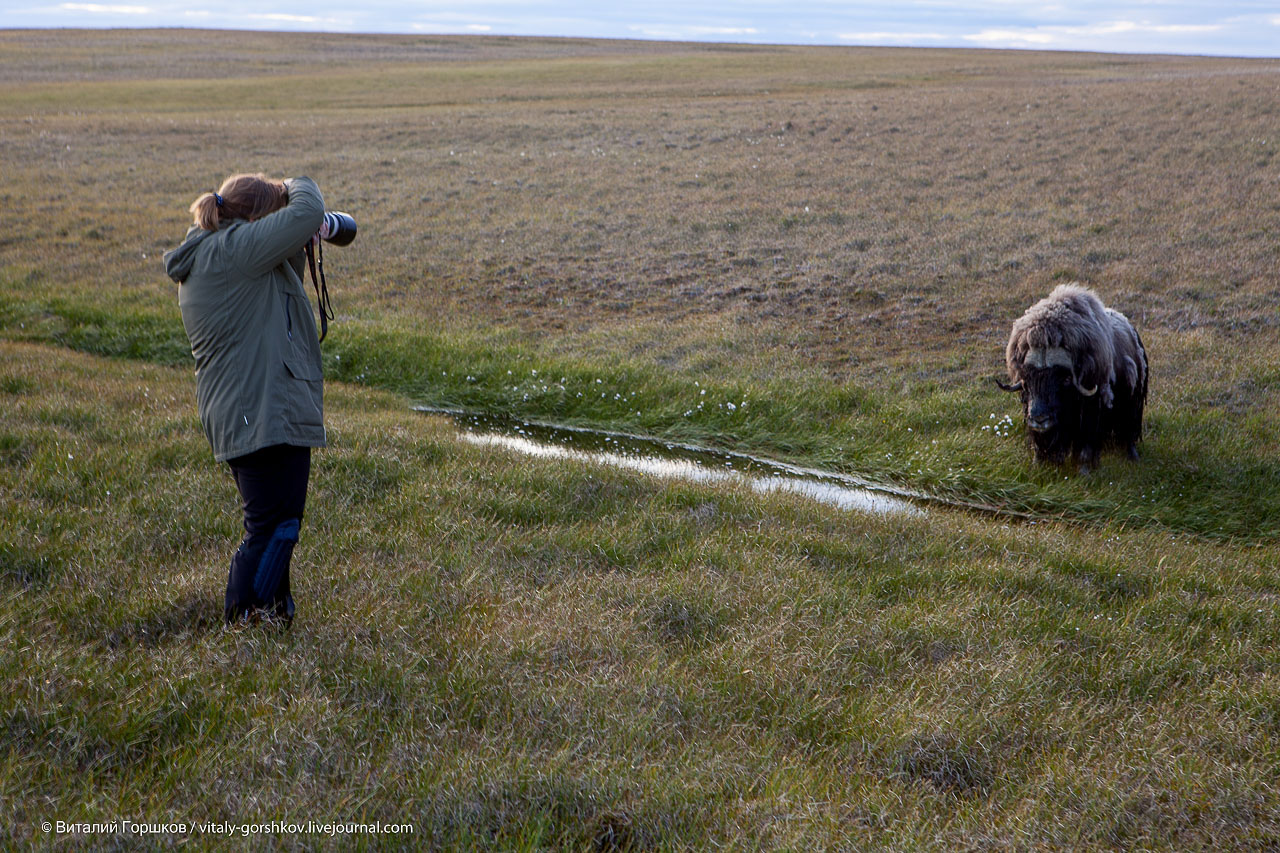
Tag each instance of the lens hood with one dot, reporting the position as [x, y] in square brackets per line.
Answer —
[339, 228]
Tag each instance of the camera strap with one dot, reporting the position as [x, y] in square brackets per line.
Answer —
[315, 260]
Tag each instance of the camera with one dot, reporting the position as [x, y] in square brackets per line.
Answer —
[338, 228]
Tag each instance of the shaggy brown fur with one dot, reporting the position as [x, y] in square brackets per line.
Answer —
[1070, 318]
[1082, 371]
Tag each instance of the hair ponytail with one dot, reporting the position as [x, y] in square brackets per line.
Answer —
[240, 197]
[205, 211]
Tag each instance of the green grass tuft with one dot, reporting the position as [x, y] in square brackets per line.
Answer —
[813, 254]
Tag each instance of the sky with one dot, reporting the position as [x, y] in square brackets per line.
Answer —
[1213, 27]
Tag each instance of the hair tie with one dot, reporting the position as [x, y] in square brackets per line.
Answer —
[217, 199]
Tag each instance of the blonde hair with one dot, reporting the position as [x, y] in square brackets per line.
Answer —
[240, 197]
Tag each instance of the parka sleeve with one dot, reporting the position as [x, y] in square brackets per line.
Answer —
[265, 244]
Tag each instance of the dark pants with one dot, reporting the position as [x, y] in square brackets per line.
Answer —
[273, 487]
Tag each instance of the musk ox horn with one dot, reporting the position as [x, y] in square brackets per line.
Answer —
[1084, 392]
[1017, 386]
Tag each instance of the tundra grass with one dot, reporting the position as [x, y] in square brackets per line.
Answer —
[512, 654]
[840, 238]
[813, 254]
[1206, 471]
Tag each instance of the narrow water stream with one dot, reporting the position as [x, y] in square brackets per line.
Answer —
[675, 461]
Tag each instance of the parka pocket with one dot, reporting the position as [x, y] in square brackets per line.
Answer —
[300, 369]
[305, 394]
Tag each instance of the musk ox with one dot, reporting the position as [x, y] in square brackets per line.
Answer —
[1082, 372]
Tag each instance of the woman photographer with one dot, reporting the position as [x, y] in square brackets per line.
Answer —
[259, 385]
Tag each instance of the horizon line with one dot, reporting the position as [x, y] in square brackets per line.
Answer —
[644, 40]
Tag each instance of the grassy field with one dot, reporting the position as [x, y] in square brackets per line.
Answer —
[520, 654]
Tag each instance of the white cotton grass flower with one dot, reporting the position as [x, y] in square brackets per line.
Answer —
[1001, 427]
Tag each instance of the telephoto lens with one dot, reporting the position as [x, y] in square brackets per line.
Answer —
[338, 228]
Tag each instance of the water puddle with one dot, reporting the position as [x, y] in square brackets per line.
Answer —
[672, 460]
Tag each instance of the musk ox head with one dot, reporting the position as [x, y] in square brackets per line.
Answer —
[1053, 399]
[1071, 359]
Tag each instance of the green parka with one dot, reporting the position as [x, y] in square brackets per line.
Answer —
[258, 371]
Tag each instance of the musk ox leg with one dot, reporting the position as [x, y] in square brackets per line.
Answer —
[1129, 436]
[1128, 425]
[1135, 427]
[1089, 439]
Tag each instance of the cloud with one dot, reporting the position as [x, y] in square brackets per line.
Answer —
[693, 32]
[1006, 38]
[292, 19]
[898, 37]
[450, 27]
[1043, 36]
[309, 20]
[104, 9]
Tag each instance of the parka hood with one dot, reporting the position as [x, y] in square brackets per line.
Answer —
[178, 262]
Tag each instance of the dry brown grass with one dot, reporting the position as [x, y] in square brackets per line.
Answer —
[850, 208]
